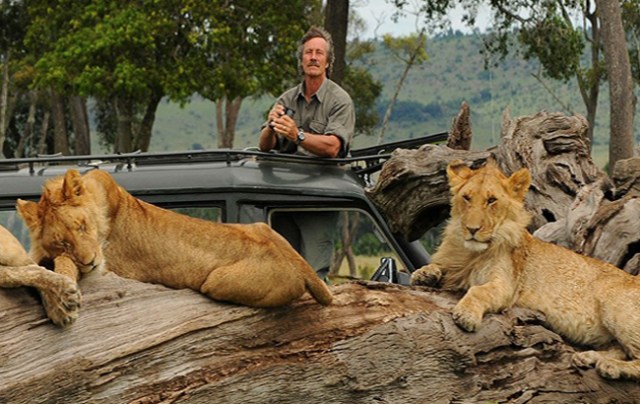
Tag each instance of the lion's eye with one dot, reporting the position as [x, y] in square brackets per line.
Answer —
[491, 200]
[82, 228]
[466, 198]
[63, 244]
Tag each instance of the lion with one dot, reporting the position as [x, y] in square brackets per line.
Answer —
[88, 222]
[487, 251]
[60, 295]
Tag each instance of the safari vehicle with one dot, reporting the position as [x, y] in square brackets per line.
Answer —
[241, 186]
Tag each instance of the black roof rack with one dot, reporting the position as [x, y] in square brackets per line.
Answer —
[373, 157]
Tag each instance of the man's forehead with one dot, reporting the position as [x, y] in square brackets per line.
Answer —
[316, 43]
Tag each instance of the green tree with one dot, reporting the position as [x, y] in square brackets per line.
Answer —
[254, 53]
[564, 35]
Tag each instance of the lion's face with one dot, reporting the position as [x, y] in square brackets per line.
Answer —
[486, 205]
[66, 222]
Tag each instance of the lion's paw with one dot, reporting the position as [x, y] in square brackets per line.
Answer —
[62, 301]
[466, 319]
[585, 359]
[428, 275]
[608, 369]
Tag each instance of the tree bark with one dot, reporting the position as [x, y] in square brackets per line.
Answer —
[4, 97]
[336, 21]
[80, 121]
[124, 134]
[143, 343]
[30, 127]
[227, 123]
[146, 127]
[622, 99]
[60, 136]
[413, 192]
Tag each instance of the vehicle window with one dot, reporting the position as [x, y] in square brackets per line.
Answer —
[212, 213]
[12, 222]
[345, 243]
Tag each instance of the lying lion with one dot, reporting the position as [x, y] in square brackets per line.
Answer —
[59, 293]
[487, 251]
[89, 222]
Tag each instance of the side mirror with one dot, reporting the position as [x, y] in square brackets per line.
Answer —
[387, 272]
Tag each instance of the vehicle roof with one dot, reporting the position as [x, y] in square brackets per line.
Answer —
[147, 174]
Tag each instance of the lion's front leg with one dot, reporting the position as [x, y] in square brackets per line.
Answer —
[62, 298]
[60, 295]
[490, 297]
[428, 275]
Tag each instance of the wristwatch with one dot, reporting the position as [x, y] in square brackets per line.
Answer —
[300, 137]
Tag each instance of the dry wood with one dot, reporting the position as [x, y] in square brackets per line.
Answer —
[144, 343]
[573, 202]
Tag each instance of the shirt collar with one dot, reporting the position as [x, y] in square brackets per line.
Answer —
[320, 94]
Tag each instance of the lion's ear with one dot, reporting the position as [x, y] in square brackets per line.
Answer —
[72, 185]
[28, 211]
[519, 183]
[458, 173]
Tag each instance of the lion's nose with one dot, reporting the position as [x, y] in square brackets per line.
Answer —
[473, 230]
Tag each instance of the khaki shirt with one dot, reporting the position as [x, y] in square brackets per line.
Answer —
[330, 112]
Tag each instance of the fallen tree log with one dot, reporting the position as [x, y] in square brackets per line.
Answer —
[143, 343]
[413, 192]
[572, 201]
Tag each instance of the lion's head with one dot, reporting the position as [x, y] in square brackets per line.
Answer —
[66, 221]
[488, 207]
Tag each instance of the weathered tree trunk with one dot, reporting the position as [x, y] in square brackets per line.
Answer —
[144, 343]
[572, 201]
[413, 192]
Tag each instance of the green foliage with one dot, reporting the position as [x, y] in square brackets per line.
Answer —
[631, 20]
[556, 44]
[407, 49]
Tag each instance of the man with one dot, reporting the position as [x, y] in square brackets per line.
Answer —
[323, 117]
[317, 118]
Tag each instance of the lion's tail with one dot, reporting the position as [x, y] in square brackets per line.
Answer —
[318, 289]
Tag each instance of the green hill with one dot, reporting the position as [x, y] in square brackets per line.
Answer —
[429, 100]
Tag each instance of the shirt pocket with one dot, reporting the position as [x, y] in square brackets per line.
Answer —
[317, 126]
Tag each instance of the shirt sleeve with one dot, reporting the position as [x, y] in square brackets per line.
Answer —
[341, 122]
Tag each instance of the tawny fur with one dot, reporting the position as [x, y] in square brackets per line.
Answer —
[487, 251]
[60, 295]
[91, 222]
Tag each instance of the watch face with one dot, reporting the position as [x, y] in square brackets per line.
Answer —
[300, 136]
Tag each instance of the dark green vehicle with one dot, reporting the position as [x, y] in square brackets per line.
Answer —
[241, 186]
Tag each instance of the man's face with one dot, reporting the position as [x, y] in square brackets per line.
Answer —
[315, 54]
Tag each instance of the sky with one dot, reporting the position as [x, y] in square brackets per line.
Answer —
[372, 12]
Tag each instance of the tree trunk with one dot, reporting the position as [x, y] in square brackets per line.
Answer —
[146, 127]
[142, 343]
[412, 189]
[30, 127]
[60, 137]
[4, 98]
[336, 21]
[348, 228]
[227, 124]
[622, 99]
[124, 134]
[80, 121]
[41, 148]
